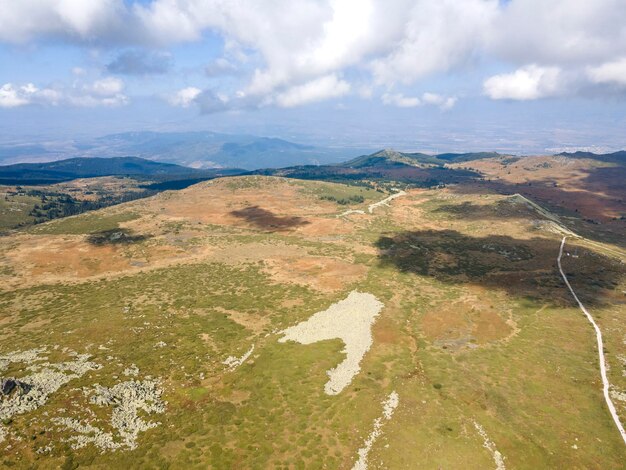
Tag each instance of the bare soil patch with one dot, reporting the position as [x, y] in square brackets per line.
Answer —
[324, 274]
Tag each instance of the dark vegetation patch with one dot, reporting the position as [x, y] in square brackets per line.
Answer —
[413, 176]
[72, 168]
[356, 199]
[267, 220]
[525, 268]
[510, 160]
[118, 236]
[616, 157]
[173, 185]
[85, 224]
[594, 207]
[56, 205]
[506, 208]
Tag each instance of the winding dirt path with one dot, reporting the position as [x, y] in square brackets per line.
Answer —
[385, 202]
[605, 380]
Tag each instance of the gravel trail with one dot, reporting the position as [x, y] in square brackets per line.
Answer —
[385, 202]
[605, 380]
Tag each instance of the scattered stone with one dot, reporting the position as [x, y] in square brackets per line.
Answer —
[617, 395]
[32, 391]
[389, 406]
[491, 447]
[133, 371]
[233, 362]
[44, 450]
[28, 356]
[127, 399]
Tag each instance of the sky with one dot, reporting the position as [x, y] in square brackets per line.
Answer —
[522, 76]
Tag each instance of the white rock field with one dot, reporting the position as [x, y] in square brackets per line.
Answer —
[349, 320]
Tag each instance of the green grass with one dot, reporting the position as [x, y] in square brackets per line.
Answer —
[342, 194]
[84, 224]
[536, 393]
[15, 210]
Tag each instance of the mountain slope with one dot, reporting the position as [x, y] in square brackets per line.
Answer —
[417, 169]
[615, 157]
[65, 170]
[392, 157]
[168, 332]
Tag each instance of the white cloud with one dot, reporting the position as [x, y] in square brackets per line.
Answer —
[108, 86]
[559, 32]
[24, 20]
[297, 40]
[104, 92]
[527, 83]
[185, 97]
[211, 102]
[316, 90]
[437, 35]
[443, 102]
[283, 50]
[401, 101]
[609, 73]
[140, 62]
[12, 96]
[220, 67]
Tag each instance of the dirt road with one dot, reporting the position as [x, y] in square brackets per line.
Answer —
[605, 380]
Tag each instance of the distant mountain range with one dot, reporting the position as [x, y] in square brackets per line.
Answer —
[418, 168]
[73, 168]
[216, 150]
[193, 149]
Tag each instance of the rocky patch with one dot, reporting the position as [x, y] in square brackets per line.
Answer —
[127, 400]
[26, 394]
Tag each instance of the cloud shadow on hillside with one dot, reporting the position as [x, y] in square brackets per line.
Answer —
[267, 220]
[118, 236]
[472, 211]
[595, 204]
[524, 268]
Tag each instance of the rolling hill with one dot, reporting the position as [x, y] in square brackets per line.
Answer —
[72, 168]
[416, 169]
[267, 322]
